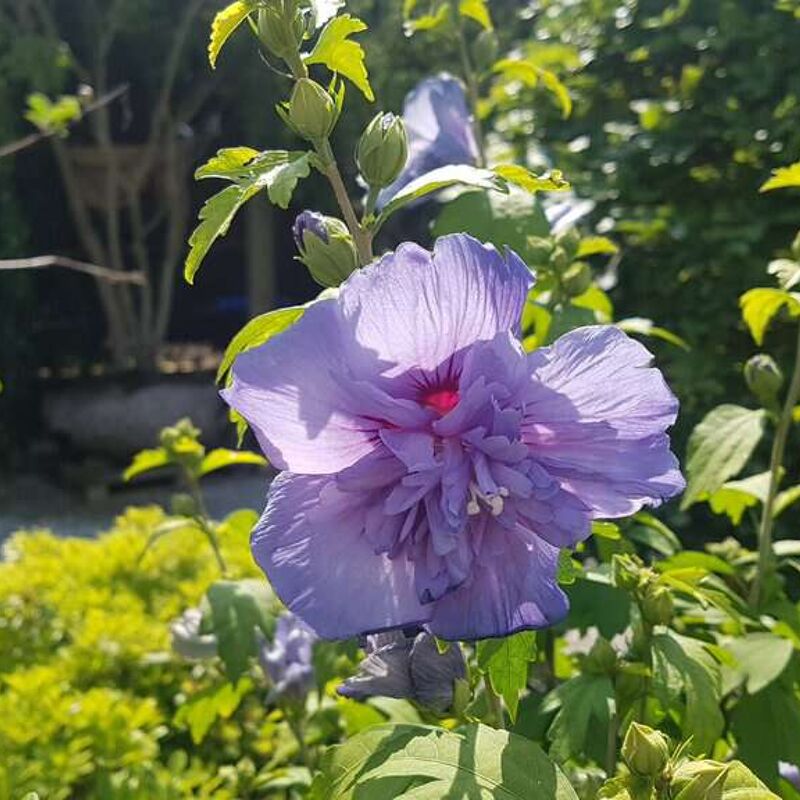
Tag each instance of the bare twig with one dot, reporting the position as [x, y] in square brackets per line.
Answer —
[102, 273]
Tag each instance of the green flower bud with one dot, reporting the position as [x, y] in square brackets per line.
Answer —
[646, 751]
[698, 780]
[382, 150]
[484, 50]
[281, 28]
[577, 278]
[559, 259]
[326, 247]
[539, 250]
[796, 247]
[183, 505]
[764, 378]
[570, 240]
[626, 572]
[657, 605]
[601, 660]
[311, 111]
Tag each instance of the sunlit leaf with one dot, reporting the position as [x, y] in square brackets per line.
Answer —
[552, 181]
[222, 458]
[786, 271]
[759, 307]
[146, 461]
[783, 178]
[259, 330]
[224, 25]
[596, 245]
[203, 709]
[719, 447]
[606, 530]
[735, 497]
[476, 10]
[646, 327]
[531, 75]
[431, 21]
[340, 54]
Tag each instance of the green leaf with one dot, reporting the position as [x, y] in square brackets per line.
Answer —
[202, 710]
[222, 458]
[719, 447]
[606, 530]
[476, 10]
[785, 499]
[759, 307]
[442, 178]
[786, 271]
[259, 330]
[342, 55]
[766, 727]
[505, 662]
[416, 762]
[761, 658]
[505, 220]
[224, 25]
[145, 461]
[531, 75]
[277, 171]
[783, 178]
[596, 246]
[735, 497]
[646, 327]
[238, 610]
[686, 678]
[653, 533]
[692, 559]
[584, 704]
[569, 570]
[552, 181]
[282, 779]
[426, 22]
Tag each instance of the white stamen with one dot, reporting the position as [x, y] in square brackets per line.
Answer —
[495, 502]
[473, 509]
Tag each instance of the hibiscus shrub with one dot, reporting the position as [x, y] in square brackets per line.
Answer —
[464, 588]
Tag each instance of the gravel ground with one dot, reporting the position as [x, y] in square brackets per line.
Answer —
[29, 501]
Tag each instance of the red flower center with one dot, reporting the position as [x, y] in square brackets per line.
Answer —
[441, 400]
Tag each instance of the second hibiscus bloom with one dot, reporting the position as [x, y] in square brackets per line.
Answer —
[433, 469]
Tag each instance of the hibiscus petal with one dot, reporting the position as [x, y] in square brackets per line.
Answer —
[309, 542]
[513, 592]
[595, 418]
[305, 416]
[413, 311]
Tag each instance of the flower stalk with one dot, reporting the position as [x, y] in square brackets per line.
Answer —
[765, 554]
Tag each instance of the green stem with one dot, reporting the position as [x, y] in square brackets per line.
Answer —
[295, 723]
[647, 635]
[361, 236]
[370, 202]
[611, 745]
[765, 554]
[496, 716]
[204, 521]
[471, 79]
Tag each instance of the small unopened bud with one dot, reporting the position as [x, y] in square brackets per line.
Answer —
[484, 50]
[570, 240]
[325, 247]
[602, 658]
[577, 278]
[625, 572]
[657, 605]
[312, 112]
[538, 250]
[764, 378]
[646, 751]
[281, 28]
[183, 505]
[382, 150]
[559, 259]
[698, 780]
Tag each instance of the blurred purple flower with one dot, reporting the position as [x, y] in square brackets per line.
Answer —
[434, 469]
[790, 773]
[309, 221]
[407, 667]
[287, 660]
[440, 132]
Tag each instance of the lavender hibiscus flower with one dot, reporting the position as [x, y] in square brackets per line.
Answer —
[433, 468]
[288, 659]
[439, 128]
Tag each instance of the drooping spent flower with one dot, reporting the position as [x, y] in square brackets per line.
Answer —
[188, 640]
[325, 246]
[409, 668]
[440, 133]
[288, 660]
[433, 469]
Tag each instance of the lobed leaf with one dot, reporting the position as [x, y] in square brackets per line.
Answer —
[719, 447]
[225, 24]
[783, 178]
[759, 307]
[761, 658]
[342, 55]
[505, 662]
